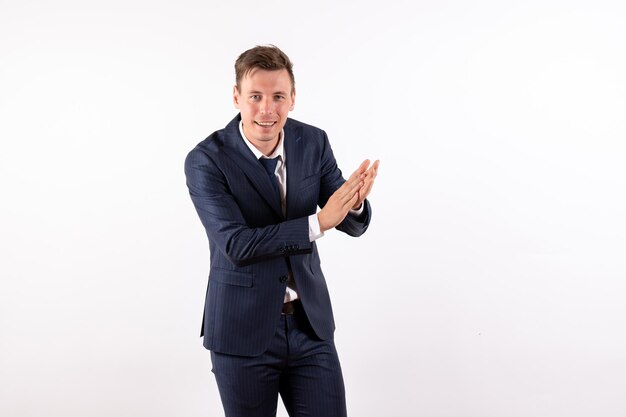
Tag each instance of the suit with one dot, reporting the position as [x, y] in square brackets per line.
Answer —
[252, 244]
[255, 244]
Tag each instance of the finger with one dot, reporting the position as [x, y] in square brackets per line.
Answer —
[358, 202]
[348, 196]
[355, 177]
[362, 172]
[361, 169]
[364, 165]
[366, 188]
[365, 191]
[345, 189]
[352, 182]
[373, 169]
[359, 174]
[352, 202]
[368, 176]
[369, 181]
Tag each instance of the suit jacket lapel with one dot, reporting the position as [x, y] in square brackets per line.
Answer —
[294, 157]
[239, 152]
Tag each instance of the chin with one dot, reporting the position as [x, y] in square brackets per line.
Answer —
[267, 135]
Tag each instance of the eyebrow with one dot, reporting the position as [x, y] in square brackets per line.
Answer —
[260, 92]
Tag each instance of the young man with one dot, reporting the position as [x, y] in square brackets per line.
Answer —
[256, 185]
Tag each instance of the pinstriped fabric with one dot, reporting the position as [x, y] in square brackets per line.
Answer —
[304, 370]
[250, 239]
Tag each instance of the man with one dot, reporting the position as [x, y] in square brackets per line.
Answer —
[256, 185]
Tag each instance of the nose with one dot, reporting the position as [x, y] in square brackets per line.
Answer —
[266, 105]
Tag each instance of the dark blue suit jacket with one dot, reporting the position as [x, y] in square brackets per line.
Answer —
[252, 244]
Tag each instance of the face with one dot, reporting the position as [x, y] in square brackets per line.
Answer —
[265, 100]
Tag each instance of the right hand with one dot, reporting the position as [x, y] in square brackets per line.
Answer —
[342, 200]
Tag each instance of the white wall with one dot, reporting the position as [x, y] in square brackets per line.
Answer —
[492, 279]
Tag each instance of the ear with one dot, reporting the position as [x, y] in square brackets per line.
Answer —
[236, 97]
[293, 98]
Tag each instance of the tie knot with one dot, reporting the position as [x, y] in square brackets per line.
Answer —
[269, 165]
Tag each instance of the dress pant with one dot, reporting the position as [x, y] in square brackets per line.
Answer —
[303, 369]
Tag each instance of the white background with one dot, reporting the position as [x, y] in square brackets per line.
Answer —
[490, 283]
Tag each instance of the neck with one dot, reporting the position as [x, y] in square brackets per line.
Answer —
[265, 147]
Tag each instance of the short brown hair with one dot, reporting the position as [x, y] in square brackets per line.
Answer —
[268, 57]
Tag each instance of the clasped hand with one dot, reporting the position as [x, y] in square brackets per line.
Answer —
[349, 196]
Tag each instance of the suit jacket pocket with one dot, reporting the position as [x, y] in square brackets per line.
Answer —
[227, 276]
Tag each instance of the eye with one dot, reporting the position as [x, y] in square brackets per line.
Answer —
[279, 97]
[255, 97]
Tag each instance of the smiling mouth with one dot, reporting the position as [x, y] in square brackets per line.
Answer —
[265, 124]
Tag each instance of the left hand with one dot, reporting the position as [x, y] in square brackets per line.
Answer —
[368, 182]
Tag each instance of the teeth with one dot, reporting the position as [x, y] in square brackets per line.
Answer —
[265, 123]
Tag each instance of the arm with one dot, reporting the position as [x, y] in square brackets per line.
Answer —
[225, 224]
[355, 190]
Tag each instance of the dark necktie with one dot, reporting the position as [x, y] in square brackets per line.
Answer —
[270, 167]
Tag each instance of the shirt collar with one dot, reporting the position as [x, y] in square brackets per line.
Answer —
[257, 153]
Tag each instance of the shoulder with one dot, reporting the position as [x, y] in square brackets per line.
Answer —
[216, 141]
[204, 153]
[296, 124]
[310, 133]
[212, 143]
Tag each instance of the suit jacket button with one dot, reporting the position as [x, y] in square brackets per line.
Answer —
[283, 279]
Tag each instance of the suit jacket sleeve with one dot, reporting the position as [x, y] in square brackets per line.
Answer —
[331, 180]
[225, 224]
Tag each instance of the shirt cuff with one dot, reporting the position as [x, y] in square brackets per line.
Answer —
[358, 211]
[314, 228]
